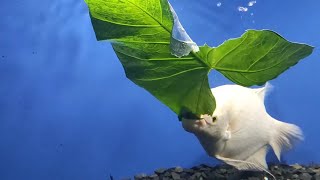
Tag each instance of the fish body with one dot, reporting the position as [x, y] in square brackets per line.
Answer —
[240, 131]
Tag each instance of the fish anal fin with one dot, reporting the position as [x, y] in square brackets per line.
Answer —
[257, 164]
[259, 157]
[284, 137]
[257, 161]
[239, 164]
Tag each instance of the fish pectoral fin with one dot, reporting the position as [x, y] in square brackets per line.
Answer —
[255, 162]
[227, 135]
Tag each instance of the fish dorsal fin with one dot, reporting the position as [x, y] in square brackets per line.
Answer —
[255, 162]
[262, 92]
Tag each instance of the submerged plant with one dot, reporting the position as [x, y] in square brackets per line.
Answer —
[158, 55]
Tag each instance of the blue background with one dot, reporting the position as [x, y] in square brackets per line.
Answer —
[67, 110]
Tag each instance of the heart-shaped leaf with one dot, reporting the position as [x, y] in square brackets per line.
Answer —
[140, 32]
[143, 34]
[255, 57]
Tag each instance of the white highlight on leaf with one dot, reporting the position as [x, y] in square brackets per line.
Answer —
[242, 9]
[181, 44]
[251, 3]
[219, 4]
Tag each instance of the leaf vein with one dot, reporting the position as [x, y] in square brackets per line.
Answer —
[218, 61]
[160, 23]
[259, 70]
[139, 42]
[255, 62]
[125, 24]
[199, 93]
[157, 59]
[173, 75]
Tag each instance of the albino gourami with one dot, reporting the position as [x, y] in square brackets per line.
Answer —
[240, 131]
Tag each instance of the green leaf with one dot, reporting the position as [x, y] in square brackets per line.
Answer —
[140, 32]
[255, 57]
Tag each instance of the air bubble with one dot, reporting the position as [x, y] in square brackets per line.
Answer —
[251, 3]
[242, 9]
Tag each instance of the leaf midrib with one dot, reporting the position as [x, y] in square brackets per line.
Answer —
[158, 59]
[172, 75]
[199, 94]
[259, 70]
[194, 58]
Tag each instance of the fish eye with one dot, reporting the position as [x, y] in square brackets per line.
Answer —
[214, 118]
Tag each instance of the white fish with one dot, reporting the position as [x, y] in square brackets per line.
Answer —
[240, 131]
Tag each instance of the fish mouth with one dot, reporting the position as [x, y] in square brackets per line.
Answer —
[201, 122]
[191, 125]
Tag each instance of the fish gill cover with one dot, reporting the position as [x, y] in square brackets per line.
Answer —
[147, 35]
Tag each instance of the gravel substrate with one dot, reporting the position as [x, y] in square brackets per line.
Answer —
[226, 172]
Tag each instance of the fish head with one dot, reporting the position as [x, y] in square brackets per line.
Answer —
[231, 106]
[211, 126]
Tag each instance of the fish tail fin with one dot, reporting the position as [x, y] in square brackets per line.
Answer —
[284, 137]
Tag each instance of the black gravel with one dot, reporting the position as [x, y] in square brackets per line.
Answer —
[226, 172]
